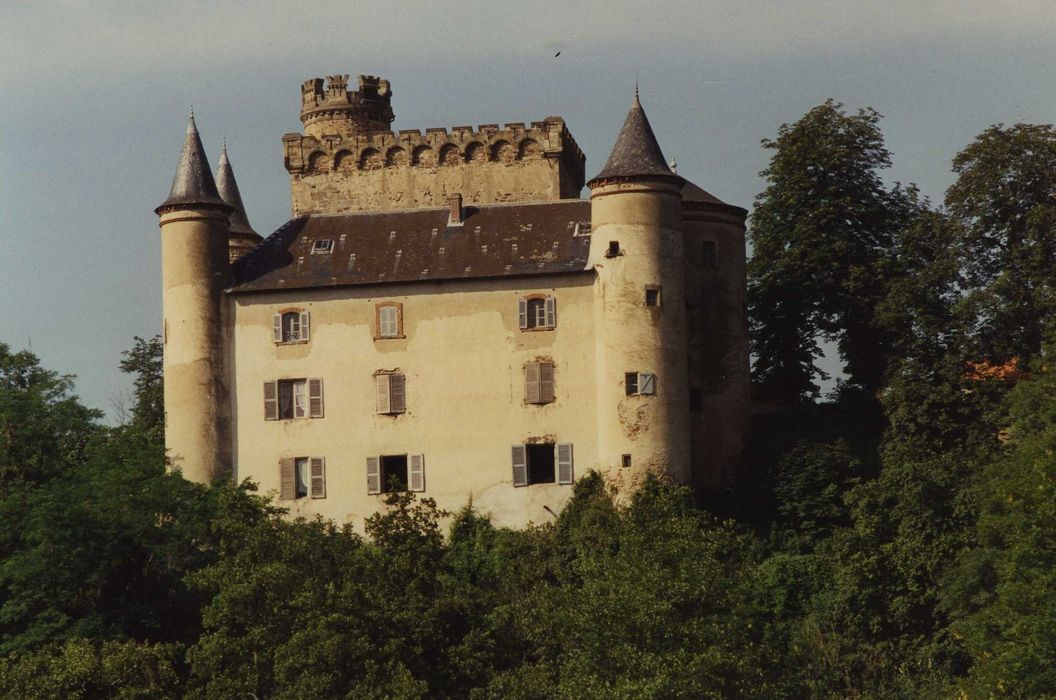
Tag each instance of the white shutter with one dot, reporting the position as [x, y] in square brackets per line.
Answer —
[646, 383]
[384, 405]
[546, 382]
[315, 398]
[522, 313]
[276, 328]
[417, 475]
[287, 479]
[531, 382]
[304, 326]
[271, 400]
[520, 465]
[373, 475]
[564, 463]
[318, 477]
[551, 312]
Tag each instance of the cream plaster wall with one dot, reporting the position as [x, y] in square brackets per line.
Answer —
[645, 219]
[194, 251]
[463, 357]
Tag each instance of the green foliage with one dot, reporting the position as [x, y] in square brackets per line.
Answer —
[83, 670]
[820, 232]
[43, 427]
[1003, 200]
[144, 360]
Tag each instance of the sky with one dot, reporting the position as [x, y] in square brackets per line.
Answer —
[94, 97]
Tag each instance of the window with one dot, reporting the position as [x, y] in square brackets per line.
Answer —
[539, 382]
[287, 399]
[625, 460]
[613, 250]
[290, 326]
[711, 258]
[393, 473]
[391, 393]
[652, 296]
[322, 247]
[388, 320]
[636, 383]
[542, 463]
[537, 312]
[302, 477]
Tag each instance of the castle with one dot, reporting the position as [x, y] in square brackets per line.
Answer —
[444, 314]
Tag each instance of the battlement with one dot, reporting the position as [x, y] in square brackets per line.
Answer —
[385, 170]
[333, 109]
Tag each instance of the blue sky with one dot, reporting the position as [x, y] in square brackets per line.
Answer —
[94, 96]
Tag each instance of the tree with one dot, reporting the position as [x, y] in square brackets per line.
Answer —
[1003, 199]
[44, 429]
[144, 362]
[820, 233]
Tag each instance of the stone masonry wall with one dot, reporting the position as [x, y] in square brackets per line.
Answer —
[386, 170]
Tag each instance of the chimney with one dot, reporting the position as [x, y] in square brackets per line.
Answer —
[454, 209]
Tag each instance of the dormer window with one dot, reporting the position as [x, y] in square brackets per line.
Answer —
[322, 246]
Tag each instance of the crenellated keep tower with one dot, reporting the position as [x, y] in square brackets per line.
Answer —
[641, 359]
[348, 160]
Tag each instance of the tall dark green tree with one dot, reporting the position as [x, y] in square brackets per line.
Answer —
[820, 233]
[1005, 200]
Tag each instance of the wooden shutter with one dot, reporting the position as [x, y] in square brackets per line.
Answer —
[373, 475]
[646, 383]
[546, 382]
[564, 463]
[305, 334]
[520, 465]
[276, 328]
[531, 382]
[397, 393]
[417, 473]
[315, 398]
[287, 479]
[271, 400]
[522, 313]
[317, 474]
[384, 405]
[551, 312]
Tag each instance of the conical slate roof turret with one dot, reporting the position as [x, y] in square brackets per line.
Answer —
[636, 153]
[228, 189]
[193, 183]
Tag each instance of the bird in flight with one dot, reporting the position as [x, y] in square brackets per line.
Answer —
[557, 54]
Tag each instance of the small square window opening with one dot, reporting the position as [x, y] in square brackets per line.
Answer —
[652, 296]
[625, 460]
[614, 249]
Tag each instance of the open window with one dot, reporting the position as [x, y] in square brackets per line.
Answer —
[290, 326]
[639, 384]
[302, 477]
[395, 473]
[288, 399]
[542, 463]
[537, 312]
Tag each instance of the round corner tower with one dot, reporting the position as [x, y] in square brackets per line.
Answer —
[194, 223]
[641, 352]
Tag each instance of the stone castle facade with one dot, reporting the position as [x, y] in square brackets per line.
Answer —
[444, 314]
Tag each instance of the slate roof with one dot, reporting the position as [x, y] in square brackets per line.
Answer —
[498, 240]
[228, 189]
[193, 182]
[636, 152]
